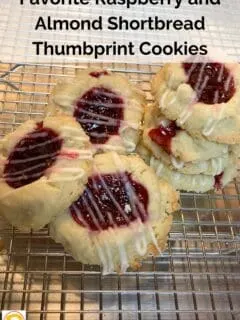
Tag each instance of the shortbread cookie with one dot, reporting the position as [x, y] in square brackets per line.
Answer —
[123, 214]
[195, 183]
[165, 138]
[202, 98]
[43, 165]
[107, 105]
[210, 167]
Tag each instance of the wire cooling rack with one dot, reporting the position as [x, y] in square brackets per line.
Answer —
[197, 277]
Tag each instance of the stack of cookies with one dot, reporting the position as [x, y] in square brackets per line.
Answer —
[77, 171]
[192, 131]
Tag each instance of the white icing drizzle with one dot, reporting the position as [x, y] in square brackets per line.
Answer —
[140, 239]
[123, 256]
[130, 145]
[102, 257]
[152, 162]
[177, 163]
[212, 123]
[165, 122]
[194, 181]
[227, 83]
[221, 73]
[99, 213]
[162, 104]
[41, 157]
[141, 244]
[110, 264]
[35, 134]
[209, 127]
[153, 237]
[214, 164]
[159, 169]
[185, 114]
[203, 85]
[157, 166]
[217, 164]
[103, 119]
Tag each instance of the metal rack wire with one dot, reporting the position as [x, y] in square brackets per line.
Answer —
[197, 277]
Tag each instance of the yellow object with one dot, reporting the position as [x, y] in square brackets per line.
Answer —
[14, 315]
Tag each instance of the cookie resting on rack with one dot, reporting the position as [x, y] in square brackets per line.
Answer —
[123, 214]
[203, 98]
[107, 105]
[43, 165]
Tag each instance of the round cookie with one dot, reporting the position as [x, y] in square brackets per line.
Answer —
[196, 183]
[163, 137]
[202, 98]
[123, 214]
[107, 105]
[210, 167]
[43, 165]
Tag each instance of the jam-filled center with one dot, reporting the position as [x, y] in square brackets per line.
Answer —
[100, 112]
[212, 82]
[163, 134]
[98, 74]
[110, 200]
[32, 156]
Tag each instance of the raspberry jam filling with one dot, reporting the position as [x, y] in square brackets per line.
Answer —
[32, 156]
[99, 111]
[110, 200]
[212, 82]
[163, 135]
[98, 74]
[218, 181]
